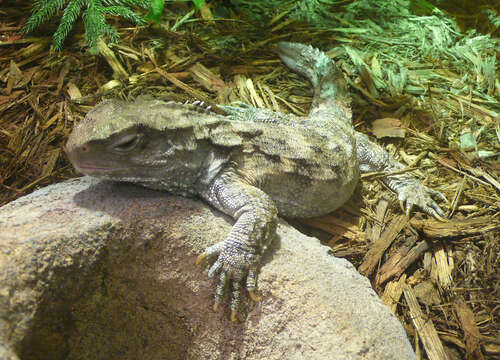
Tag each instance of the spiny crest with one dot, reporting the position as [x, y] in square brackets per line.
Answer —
[113, 116]
[196, 106]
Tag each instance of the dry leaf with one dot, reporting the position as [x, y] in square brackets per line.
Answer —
[388, 127]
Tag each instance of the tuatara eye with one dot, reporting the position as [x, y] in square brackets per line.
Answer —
[127, 143]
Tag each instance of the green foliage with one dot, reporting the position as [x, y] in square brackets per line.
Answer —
[94, 17]
[422, 7]
[155, 10]
[313, 11]
[262, 11]
[198, 4]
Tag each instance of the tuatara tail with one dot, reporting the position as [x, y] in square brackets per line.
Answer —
[330, 87]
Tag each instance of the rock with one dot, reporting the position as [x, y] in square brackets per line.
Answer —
[98, 270]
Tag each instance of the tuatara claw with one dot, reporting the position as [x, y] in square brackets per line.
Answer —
[254, 296]
[201, 258]
[409, 208]
[234, 316]
[216, 306]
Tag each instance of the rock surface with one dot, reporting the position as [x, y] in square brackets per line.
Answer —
[97, 270]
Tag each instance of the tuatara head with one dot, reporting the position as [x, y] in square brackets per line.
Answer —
[105, 138]
[145, 142]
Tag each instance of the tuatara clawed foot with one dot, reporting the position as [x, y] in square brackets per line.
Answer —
[233, 265]
[416, 194]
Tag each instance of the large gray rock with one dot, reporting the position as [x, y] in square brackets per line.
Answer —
[95, 270]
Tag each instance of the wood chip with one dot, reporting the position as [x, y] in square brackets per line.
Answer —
[271, 96]
[471, 332]
[392, 293]
[73, 91]
[424, 327]
[375, 253]
[256, 99]
[380, 216]
[336, 226]
[62, 75]
[118, 70]
[241, 84]
[439, 230]
[110, 85]
[195, 93]
[400, 261]
[427, 293]
[15, 77]
[207, 78]
[444, 266]
[50, 161]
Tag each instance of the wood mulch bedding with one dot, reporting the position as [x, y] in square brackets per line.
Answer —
[440, 278]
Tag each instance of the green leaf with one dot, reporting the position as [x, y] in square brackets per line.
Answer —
[155, 10]
[198, 4]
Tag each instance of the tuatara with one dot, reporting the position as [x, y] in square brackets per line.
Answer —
[252, 164]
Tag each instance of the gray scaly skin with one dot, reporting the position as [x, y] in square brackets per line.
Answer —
[251, 164]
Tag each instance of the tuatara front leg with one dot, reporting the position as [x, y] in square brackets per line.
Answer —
[411, 192]
[238, 257]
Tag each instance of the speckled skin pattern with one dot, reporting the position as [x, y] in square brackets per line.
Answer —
[251, 164]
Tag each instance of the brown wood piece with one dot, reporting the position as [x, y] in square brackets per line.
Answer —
[392, 293]
[471, 332]
[400, 261]
[194, 93]
[424, 327]
[375, 253]
[439, 230]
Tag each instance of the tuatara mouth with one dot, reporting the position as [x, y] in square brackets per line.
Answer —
[95, 170]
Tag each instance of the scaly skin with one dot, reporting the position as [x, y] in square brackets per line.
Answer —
[251, 164]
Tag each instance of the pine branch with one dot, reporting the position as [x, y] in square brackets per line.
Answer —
[95, 23]
[94, 17]
[69, 17]
[112, 32]
[145, 4]
[125, 13]
[42, 11]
